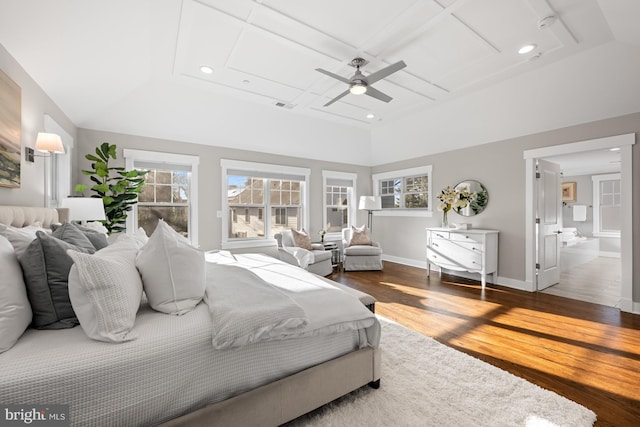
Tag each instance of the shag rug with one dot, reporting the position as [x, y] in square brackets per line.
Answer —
[425, 383]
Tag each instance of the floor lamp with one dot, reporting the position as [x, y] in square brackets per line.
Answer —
[369, 204]
[52, 144]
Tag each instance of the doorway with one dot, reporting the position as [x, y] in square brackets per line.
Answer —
[624, 143]
[588, 233]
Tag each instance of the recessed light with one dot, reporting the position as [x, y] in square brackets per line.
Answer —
[371, 116]
[614, 149]
[206, 69]
[526, 49]
[245, 81]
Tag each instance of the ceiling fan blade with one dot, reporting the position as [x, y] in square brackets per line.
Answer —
[335, 76]
[375, 93]
[346, 92]
[381, 74]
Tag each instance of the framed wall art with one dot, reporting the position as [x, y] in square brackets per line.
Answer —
[569, 191]
[10, 128]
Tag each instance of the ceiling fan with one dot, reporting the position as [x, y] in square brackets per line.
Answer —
[359, 83]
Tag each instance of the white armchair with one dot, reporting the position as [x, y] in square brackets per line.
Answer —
[316, 261]
[360, 257]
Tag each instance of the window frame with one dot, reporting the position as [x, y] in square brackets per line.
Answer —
[169, 159]
[597, 179]
[352, 199]
[252, 168]
[402, 174]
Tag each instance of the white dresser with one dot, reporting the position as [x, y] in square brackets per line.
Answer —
[472, 250]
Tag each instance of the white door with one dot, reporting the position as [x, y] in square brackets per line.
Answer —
[549, 215]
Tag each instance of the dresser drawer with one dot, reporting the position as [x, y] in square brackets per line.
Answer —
[467, 255]
[466, 237]
[439, 234]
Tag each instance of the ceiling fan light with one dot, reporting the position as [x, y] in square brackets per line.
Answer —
[358, 89]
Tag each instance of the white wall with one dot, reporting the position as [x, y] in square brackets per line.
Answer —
[35, 104]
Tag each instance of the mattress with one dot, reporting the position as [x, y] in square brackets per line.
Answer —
[170, 370]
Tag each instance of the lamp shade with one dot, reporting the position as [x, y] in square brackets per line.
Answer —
[84, 208]
[49, 143]
[370, 203]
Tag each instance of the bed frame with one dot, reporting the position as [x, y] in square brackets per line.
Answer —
[271, 404]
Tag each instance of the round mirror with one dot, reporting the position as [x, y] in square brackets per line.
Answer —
[476, 195]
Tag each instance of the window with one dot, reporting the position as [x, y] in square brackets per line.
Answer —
[261, 200]
[170, 192]
[339, 201]
[606, 205]
[404, 192]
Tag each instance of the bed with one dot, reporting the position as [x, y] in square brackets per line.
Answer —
[172, 375]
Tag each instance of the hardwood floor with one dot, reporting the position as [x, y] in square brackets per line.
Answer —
[586, 352]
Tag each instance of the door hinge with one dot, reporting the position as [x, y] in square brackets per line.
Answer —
[537, 174]
[538, 266]
[537, 220]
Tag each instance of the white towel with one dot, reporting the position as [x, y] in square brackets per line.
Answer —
[579, 212]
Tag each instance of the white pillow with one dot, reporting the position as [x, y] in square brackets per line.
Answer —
[15, 311]
[105, 291]
[172, 271]
[20, 238]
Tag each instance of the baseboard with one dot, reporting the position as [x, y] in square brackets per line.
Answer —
[405, 261]
[608, 254]
[629, 306]
[502, 281]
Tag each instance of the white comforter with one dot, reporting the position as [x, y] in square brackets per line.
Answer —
[254, 298]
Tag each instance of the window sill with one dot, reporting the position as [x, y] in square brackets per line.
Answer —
[424, 213]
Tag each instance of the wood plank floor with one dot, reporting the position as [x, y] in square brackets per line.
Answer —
[586, 352]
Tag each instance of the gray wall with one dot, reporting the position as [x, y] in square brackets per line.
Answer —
[35, 104]
[501, 168]
[209, 197]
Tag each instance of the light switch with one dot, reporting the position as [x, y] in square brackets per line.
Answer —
[28, 154]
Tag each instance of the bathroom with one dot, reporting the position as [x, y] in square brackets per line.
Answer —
[590, 251]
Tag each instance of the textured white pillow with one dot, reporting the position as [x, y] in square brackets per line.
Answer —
[172, 271]
[105, 291]
[20, 238]
[15, 311]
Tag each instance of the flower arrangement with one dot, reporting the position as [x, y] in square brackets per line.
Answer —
[322, 233]
[453, 198]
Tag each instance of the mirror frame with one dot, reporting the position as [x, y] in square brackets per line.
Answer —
[482, 197]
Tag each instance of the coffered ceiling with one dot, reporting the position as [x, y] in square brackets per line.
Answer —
[134, 66]
[267, 51]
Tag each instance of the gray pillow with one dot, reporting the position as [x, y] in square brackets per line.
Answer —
[45, 266]
[70, 233]
[99, 240]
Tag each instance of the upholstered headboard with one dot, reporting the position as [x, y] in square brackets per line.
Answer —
[20, 216]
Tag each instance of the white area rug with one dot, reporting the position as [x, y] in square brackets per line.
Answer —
[425, 383]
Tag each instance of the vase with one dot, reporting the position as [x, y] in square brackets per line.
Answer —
[445, 222]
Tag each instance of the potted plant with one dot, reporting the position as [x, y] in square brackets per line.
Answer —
[117, 188]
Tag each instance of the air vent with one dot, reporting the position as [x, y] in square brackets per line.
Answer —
[283, 105]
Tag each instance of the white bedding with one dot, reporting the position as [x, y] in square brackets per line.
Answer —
[254, 297]
[170, 370]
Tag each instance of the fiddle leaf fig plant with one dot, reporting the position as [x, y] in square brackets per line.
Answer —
[117, 187]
